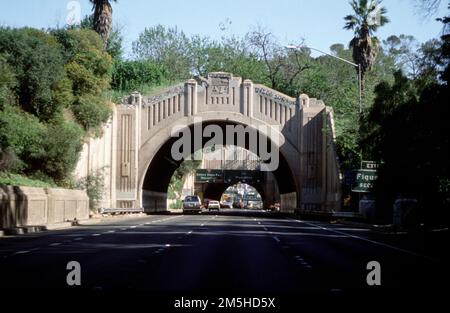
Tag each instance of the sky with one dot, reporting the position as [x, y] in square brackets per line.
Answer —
[318, 22]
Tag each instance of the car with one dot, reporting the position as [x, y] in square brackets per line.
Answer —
[192, 204]
[255, 205]
[213, 205]
[227, 205]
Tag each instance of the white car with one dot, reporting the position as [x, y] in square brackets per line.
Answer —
[213, 205]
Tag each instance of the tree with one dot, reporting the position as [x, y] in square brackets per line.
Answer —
[405, 51]
[114, 45]
[102, 18]
[166, 46]
[88, 68]
[8, 82]
[428, 7]
[367, 18]
[37, 62]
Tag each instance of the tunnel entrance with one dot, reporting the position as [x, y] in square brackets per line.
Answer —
[163, 165]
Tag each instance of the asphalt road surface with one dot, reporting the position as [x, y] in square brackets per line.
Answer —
[166, 257]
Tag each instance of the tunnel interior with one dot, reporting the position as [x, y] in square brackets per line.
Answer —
[163, 165]
[216, 190]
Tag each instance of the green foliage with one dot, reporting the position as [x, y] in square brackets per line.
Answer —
[408, 133]
[37, 148]
[114, 46]
[166, 46]
[8, 82]
[61, 150]
[176, 205]
[133, 75]
[89, 69]
[177, 180]
[22, 134]
[94, 185]
[38, 66]
[91, 111]
[21, 180]
[43, 75]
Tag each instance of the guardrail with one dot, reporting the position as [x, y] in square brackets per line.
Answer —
[121, 210]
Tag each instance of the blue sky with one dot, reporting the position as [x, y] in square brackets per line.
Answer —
[318, 22]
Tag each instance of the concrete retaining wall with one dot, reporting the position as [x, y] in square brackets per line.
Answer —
[29, 206]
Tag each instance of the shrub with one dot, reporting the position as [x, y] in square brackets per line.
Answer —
[90, 111]
[132, 75]
[8, 82]
[89, 71]
[38, 65]
[94, 186]
[62, 147]
[22, 135]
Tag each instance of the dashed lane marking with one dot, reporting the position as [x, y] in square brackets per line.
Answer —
[368, 240]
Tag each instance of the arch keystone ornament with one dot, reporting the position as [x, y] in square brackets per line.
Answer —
[297, 132]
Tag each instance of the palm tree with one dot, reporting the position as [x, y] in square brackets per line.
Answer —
[367, 18]
[102, 18]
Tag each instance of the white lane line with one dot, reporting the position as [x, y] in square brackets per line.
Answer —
[276, 238]
[167, 245]
[54, 244]
[22, 252]
[189, 232]
[133, 226]
[303, 262]
[202, 225]
[369, 240]
[79, 238]
[259, 223]
[265, 228]
[111, 231]
[95, 235]
[123, 229]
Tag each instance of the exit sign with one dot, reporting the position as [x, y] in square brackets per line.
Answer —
[366, 176]
[369, 165]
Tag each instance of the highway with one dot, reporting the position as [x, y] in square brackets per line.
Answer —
[218, 255]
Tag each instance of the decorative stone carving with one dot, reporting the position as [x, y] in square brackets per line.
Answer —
[270, 94]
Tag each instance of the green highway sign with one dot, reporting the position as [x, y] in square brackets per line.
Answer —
[208, 176]
[228, 176]
[243, 176]
[364, 180]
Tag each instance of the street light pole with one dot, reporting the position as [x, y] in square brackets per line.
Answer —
[358, 66]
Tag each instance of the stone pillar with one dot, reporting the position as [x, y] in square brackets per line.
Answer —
[247, 98]
[304, 100]
[190, 104]
[128, 137]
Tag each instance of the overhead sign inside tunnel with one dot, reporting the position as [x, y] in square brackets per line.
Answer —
[228, 176]
[209, 176]
[243, 176]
